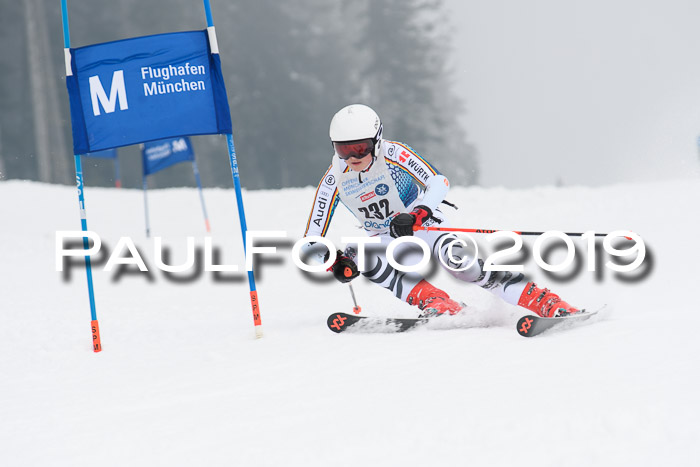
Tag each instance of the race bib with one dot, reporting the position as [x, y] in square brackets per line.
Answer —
[375, 200]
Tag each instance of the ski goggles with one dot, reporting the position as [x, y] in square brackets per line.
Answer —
[358, 149]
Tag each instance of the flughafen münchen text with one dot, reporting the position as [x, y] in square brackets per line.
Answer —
[163, 75]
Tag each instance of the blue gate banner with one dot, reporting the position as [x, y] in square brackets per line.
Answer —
[158, 155]
[145, 89]
[106, 154]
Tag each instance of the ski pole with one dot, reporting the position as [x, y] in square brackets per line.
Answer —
[357, 309]
[489, 231]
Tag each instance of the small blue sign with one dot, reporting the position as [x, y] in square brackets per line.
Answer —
[158, 155]
[145, 89]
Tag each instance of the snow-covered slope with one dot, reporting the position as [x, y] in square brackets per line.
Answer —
[182, 381]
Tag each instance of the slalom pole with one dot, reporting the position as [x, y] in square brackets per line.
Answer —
[489, 231]
[117, 175]
[145, 205]
[244, 228]
[201, 195]
[236, 184]
[96, 342]
[357, 309]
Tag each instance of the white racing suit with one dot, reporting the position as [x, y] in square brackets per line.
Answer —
[398, 180]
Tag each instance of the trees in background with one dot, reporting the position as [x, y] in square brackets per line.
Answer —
[289, 66]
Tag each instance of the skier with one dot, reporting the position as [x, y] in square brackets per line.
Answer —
[390, 189]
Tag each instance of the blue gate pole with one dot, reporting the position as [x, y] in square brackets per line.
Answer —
[144, 186]
[236, 184]
[96, 342]
[145, 205]
[244, 228]
[117, 174]
[201, 195]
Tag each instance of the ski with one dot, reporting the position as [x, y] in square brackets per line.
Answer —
[527, 326]
[531, 325]
[341, 322]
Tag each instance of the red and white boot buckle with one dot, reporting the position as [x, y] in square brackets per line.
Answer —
[432, 301]
[545, 303]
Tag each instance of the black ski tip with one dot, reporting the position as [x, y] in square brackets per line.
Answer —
[524, 326]
[337, 322]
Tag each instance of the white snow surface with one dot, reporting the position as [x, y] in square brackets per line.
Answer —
[182, 381]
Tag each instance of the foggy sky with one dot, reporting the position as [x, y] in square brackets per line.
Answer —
[590, 92]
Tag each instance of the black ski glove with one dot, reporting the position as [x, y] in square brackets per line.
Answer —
[344, 269]
[402, 225]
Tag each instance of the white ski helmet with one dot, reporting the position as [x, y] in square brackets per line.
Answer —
[356, 122]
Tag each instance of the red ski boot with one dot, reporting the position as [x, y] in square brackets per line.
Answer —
[544, 303]
[431, 300]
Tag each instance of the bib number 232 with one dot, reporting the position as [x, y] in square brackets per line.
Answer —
[378, 210]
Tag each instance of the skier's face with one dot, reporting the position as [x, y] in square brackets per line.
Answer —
[358, 165]
[357, 154]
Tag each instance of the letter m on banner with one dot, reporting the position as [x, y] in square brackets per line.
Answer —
[98, 95]
[144, 89]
